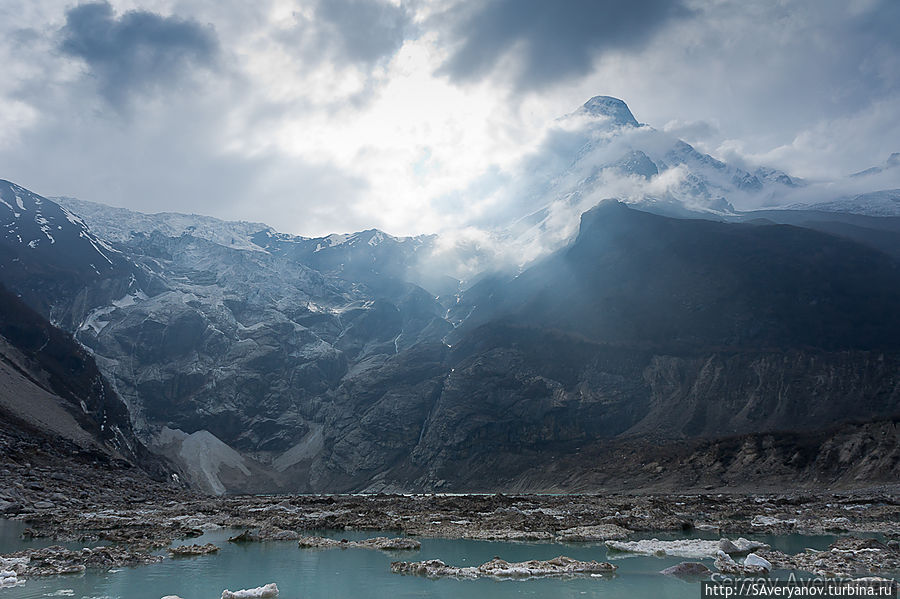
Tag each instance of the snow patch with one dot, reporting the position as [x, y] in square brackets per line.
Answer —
[94, 320]
[44, 224]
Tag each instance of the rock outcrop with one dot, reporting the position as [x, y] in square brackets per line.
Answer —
[191, 550]
[56, 560]
[847, 557]
[590, 534]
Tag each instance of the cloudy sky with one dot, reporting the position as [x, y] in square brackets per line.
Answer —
[318, 116]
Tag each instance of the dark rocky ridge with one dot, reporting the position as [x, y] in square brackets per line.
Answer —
[50, 258]
[638, 278]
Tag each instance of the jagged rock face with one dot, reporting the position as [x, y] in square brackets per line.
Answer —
[280, 363]
[653, 327]
[246, 344]
[520, 400]
[52, 390]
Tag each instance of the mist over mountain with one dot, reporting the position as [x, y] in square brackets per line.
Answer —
[256, 360]
[602, 151]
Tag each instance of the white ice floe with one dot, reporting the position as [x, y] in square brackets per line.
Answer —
[266, 592]
[11, 570]
[761, 520]
[757, 561]
[8, 578]
[692, 548]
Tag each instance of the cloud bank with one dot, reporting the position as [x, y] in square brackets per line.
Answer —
[419, 116]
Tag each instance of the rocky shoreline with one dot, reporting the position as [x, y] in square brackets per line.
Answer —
[92, 502]
[138, 523]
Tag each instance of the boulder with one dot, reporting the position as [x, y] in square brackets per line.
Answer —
[248, 536]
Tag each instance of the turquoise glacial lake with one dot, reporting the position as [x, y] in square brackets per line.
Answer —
[366, 574]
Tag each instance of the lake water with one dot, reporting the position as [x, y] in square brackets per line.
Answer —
[365, 574]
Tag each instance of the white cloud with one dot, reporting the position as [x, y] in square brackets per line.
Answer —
[321, 141]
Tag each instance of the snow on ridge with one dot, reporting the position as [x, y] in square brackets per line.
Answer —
[371, 237]
[877, 203]
[72, 217]
[92, 240]
[121, 224]
[336, 239]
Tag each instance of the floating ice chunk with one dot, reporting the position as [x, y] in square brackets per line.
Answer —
[757, 561]
[8, 578]
[691, 548]
[761, 520]
[270, 590]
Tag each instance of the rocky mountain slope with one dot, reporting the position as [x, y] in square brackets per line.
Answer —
[636, 277]
[50, 257]
[260, 361]
[651, 330]
[52, 396]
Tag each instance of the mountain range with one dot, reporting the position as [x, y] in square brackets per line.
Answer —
[673, 326]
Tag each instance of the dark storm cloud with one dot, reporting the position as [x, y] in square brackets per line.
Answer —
[553, 40]
[136, 52]
[875, 36]
[363, 31]
[357, 32]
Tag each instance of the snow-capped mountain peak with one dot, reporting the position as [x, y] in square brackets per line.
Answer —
[613, 108]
